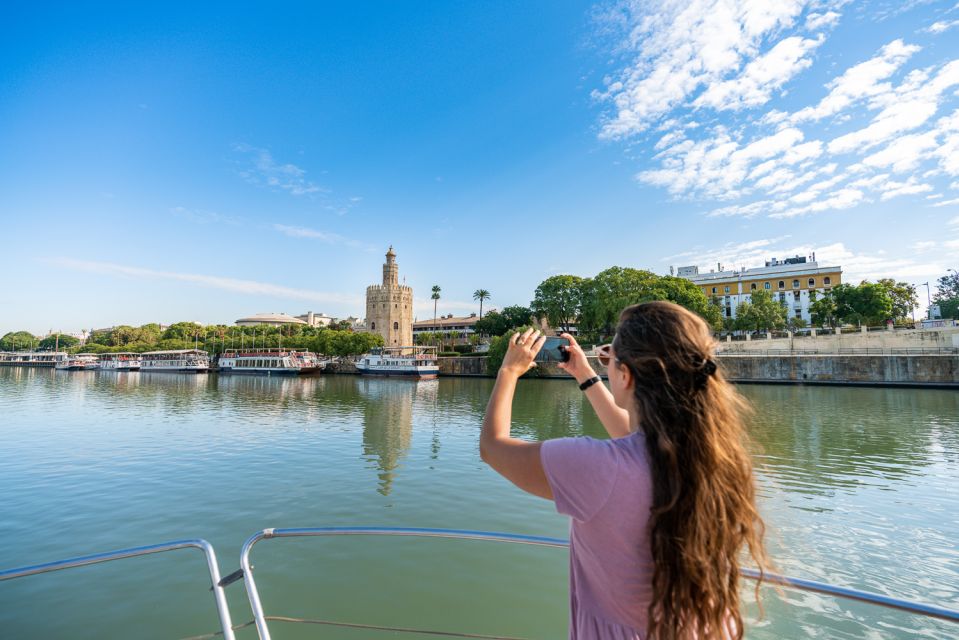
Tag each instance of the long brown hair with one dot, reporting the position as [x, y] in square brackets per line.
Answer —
[704, 496]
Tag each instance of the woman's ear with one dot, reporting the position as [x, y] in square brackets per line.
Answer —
[627, 373]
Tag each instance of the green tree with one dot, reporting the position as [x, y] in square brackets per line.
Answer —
[869, 303]
[614, 289]
[436, 298]
[903, 295]
[497, 323]
[18, 341]
[64, 342]
[761, 313]
[797, 323]
[558, 300]
[947, 294]
[824, 309]
[181, 331]
[479, 294]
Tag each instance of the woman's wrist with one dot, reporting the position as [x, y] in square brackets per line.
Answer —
[585, 375]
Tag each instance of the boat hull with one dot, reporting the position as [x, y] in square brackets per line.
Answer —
[382, 372]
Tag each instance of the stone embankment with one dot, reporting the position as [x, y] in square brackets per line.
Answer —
[828, 341]
[926, 370]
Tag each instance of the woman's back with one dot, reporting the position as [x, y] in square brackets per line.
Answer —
[605, 487]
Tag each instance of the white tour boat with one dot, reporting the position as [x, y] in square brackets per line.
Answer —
[79, 362]
[269, 361]
[31, 358]
[185, 360]
[120, 361]
[413, 362]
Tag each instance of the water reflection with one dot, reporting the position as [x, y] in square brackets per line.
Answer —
[387, 424]
[818, 441]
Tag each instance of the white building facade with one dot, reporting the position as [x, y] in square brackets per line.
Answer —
[793, 282]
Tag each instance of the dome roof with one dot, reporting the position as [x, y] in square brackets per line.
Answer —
[270, 318]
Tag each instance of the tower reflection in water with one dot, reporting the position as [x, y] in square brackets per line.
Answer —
[387, 424]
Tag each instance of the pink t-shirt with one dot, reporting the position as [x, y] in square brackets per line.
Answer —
[605, 486]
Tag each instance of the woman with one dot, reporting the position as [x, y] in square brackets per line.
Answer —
[661, 511]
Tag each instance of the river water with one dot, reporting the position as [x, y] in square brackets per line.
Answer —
[860, 487]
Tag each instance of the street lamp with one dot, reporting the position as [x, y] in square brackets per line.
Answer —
[928, 302]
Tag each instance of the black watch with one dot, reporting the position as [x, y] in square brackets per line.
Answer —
[590, 382]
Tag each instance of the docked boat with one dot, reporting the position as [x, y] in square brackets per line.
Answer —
[31, 358]
[177, 360]
[412, 362]
[79, 362]
[269, 362]
[120, 361]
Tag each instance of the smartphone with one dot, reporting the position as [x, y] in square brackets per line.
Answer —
[555, 349]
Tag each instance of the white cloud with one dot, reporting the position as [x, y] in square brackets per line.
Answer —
[202, 217]
[889, 144]
[324, 236]
[844, 198]
[761, 76]
[955, 221]
[732, 255]
[939, 27]
[815, 21]
[246, 287]
[262, 170]
[859, 82]
[675, 49]
[893, 189]
[904, 153]
[949, 203]
[907, 107]
[923, 245]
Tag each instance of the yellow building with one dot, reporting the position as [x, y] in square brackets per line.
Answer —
[389, 306]
[790, 281]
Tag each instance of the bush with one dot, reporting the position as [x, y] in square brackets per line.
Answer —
[448, 354]
[462, 348]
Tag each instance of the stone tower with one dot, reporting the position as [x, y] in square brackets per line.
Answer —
[389, 306]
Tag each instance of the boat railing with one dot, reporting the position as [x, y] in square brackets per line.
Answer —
[218, 588]
[260, 618]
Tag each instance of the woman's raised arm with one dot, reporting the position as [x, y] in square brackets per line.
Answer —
[614, 419]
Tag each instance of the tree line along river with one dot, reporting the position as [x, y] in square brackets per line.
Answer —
[858, 488]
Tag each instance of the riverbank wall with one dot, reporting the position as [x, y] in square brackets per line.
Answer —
[828, 341]
[892, 370]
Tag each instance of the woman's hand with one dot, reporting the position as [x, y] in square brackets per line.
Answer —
[578, 366]
[521, 354]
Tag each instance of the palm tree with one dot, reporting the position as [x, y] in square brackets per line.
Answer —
[481, 294]
[435, 297]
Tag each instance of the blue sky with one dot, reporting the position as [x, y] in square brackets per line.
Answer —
[205, 163]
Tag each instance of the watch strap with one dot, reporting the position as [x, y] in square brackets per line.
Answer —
[590, 382]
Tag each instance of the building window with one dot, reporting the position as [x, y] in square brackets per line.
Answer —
[795, 284]
[714, 289]
[752, 287]
[782, 284]
[373, 326]
[798, 313]
[782, 298]
[767, 286]
[826, 281]
[812, 283]
[396, 326]
[796, 295]
[726, 290]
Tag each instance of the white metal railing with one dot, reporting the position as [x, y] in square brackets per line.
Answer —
[81, 561]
